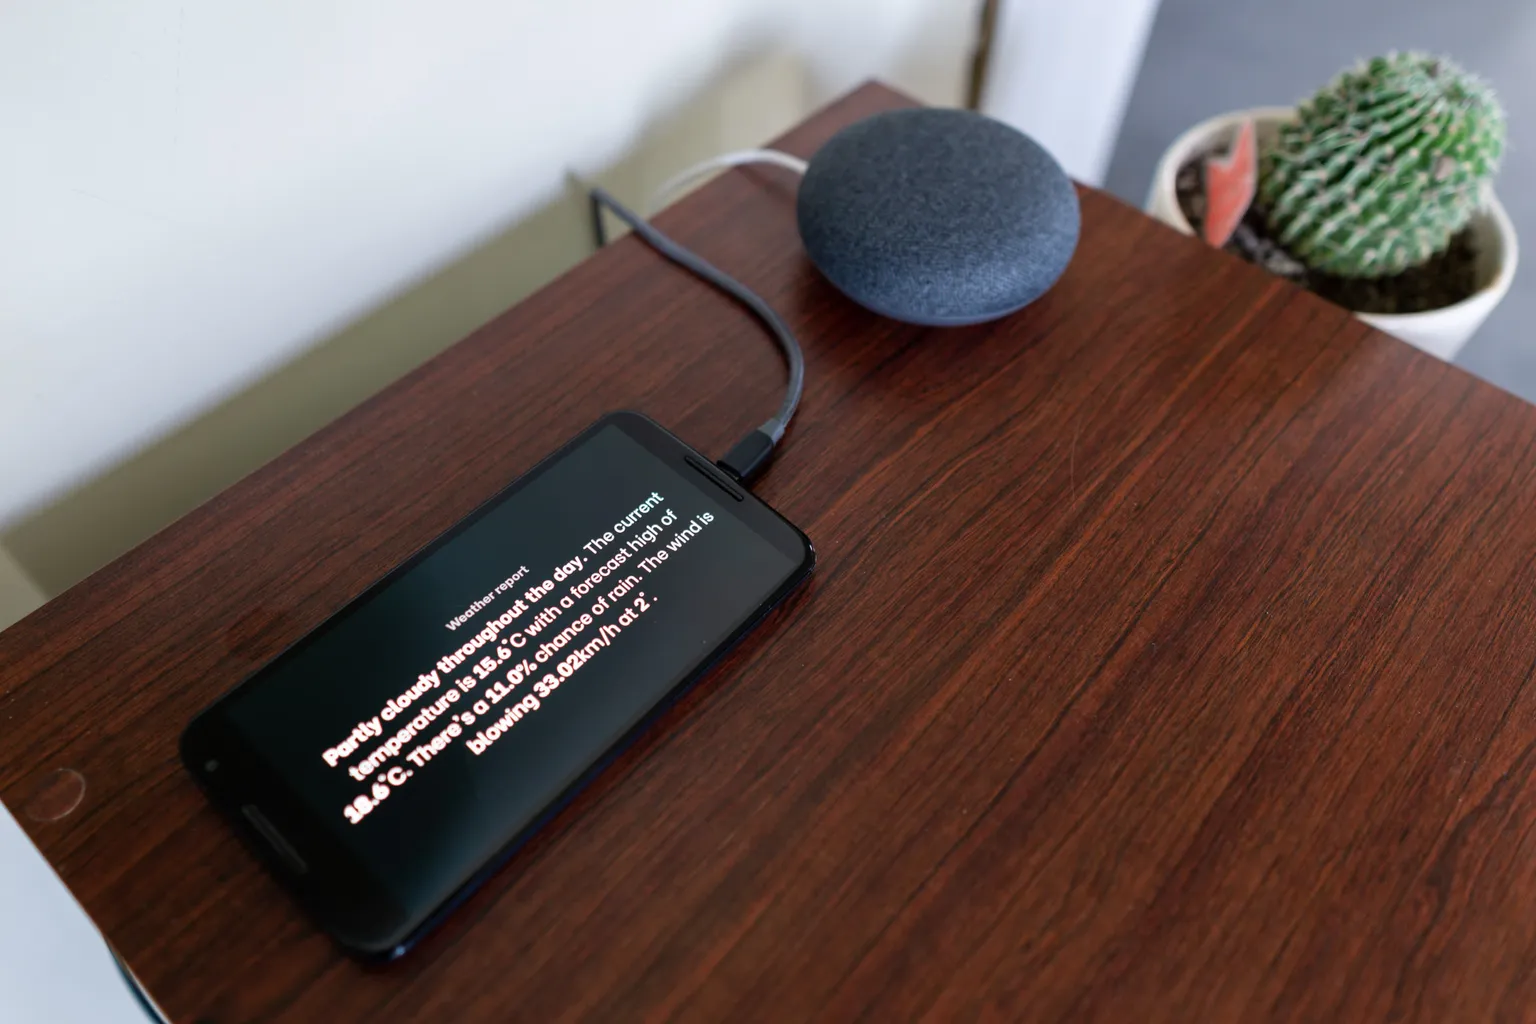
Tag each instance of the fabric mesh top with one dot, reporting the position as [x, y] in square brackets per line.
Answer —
[939, 217]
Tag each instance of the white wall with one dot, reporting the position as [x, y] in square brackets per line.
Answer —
[223, 221]
[194, 193]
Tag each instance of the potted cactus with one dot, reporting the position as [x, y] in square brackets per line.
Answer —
[1375, 193]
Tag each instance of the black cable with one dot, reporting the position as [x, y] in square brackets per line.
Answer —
[599, 232]
[747, 458]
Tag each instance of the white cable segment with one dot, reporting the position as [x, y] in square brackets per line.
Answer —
[675, 184]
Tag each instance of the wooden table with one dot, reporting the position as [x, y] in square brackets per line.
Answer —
[1169, 659]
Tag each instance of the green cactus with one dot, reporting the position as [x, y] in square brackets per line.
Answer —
[1383, 166]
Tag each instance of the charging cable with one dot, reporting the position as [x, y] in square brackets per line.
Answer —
[740, 158]
[750, 455]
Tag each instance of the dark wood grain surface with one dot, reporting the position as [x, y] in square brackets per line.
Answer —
[1169, 658]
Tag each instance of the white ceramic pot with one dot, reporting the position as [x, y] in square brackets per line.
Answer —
[1440, 332]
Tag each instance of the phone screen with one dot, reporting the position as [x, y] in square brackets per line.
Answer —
[430, 722]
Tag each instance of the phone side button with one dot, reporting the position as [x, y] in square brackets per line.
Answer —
[274, 838]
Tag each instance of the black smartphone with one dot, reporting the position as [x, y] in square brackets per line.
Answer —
[388, 762]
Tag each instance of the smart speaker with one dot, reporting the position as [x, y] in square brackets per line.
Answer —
[937, 217]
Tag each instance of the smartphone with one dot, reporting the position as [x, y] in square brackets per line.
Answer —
[391, 760]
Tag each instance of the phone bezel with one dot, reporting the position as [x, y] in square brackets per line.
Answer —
[336, 889]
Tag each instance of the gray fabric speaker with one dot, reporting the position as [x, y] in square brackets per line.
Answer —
[937, 217]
